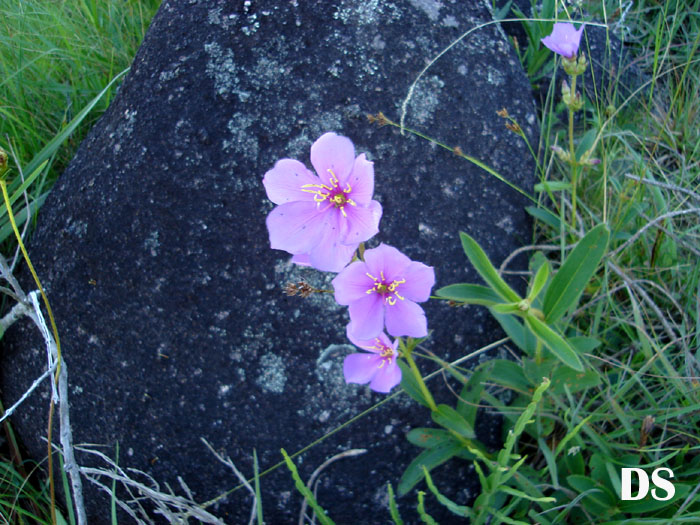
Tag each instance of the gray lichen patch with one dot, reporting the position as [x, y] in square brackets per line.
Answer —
[366, 13]
[273, 375]
[429, 7]
[221, 66]
[242, 140]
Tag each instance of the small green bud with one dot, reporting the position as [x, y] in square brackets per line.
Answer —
[3, 162]
[575, 66]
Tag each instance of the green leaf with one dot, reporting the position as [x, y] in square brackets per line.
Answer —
[448, 417]
[545, 216]
[586, 143]
[430, 437]
[520, 335]
[597, 498]
[429, 459]
[459, 510]
[552, 186]
[483, 265]
[410, 384]
[470, 396]
[520, 494]
[564, 379]
[258, 497]
[509, 374]
[424, 516]
[393, 508]
[304, 490]
[568, 283]
[582, 344]
[554, 343]
[470, 294]
[651, 505]
[539, 281]
[506, 308]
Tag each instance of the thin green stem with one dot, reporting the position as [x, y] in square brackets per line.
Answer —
[407, 351]
[572, 152]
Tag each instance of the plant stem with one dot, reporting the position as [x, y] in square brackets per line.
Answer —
[407, 350]
[572, 153]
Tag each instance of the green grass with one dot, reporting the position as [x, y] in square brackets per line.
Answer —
[55, 57]
[641, 404]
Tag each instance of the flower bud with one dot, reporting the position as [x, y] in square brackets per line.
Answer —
[563, 155]
[575, 66]
[3, 162]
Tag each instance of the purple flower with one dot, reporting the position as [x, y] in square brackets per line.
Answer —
[564, 39]
[321, 219]
[385, 287]
[378, 368]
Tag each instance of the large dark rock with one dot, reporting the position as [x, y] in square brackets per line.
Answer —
[154, 251]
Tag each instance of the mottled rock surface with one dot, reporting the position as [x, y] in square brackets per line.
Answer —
[154, 251]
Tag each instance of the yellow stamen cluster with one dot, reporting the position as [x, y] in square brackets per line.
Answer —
[333, 193]
[385, 352]
[387, 290]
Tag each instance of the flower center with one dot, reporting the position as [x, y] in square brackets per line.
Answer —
[385, 352]
[336, 196]
[387, 290]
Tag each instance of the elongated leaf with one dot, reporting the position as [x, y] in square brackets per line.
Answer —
[430, 437]
[544, 215]
[567, 379]
[552, 186]
[393, 508]
[470, 396]
[483, 265]
[429, 459]
[568, 283]
[469, 293]
[410, 385]
[304, 490]
[554, 343]
[448, 417]
[520, 494]
[520, 335]
[539, 281]
[509, 374]
[459, 510]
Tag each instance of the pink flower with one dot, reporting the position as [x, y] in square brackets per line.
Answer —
[321, 219]
[385, 287]
[564, 39]
[378, 368]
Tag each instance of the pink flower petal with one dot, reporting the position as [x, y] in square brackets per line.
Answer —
[374, 344]
[362, 223]
[284, 183]
[333, 153]
[295, 227]
[302, 259]
[360, 368]
[564, 39]
[406, 318]
[361, 180]
[386, 378]
[352, 283]
[386, 259]
[420, 279]
[329, 255]
[366, 317]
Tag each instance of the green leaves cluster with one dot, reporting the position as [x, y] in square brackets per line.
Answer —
[534, 321]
